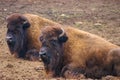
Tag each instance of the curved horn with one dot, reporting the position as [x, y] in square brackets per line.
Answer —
[63, 32]
[25, 22]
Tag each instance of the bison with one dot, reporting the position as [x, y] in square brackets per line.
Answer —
[72, 53]
[22, 35]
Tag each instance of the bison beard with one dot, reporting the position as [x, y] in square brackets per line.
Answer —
[83, 54]
[23, 33]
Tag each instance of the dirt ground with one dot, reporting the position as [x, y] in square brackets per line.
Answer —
[101, 17]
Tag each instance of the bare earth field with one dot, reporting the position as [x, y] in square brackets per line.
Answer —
[101, 17]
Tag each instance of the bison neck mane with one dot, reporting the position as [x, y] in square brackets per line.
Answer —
[56, 64]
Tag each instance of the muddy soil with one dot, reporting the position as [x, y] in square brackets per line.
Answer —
[101, 17]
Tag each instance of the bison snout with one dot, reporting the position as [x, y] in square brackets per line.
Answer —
[44, 57]
[9, 39]
[42, 54]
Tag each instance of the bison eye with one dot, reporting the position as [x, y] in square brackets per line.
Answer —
[26, 25]
[53, 42]
[41, 38]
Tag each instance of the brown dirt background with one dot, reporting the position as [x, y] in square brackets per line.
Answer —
[101, 17]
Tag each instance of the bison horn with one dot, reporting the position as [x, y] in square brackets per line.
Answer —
[25, 22]
[63, 32]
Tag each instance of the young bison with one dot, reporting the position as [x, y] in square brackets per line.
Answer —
[23, 34]
[70, 53]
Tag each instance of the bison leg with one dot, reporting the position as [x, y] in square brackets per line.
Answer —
[71, 72]
[16, 55]
[95, 72]
[114, 60]
[32, 55]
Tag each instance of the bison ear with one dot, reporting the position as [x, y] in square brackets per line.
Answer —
[26, 25]
[63, 39]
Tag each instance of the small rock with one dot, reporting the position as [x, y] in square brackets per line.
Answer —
[93, 9]
[97, 24]
[9, 66]
[38, 68]
[78, 23]
[5, 9]
[64, 15]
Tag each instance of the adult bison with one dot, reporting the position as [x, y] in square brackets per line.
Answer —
[23, 32]
[73, 53]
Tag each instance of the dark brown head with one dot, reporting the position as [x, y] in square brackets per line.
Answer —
[51, 52]
[114, 59]
[16, 33]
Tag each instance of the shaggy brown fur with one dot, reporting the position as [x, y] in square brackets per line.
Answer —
[23, 33]
[77, 52]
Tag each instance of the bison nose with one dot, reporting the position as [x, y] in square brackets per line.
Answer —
[42, 54]
[9, 39]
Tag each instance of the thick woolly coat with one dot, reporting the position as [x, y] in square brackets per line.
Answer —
[83, 52]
